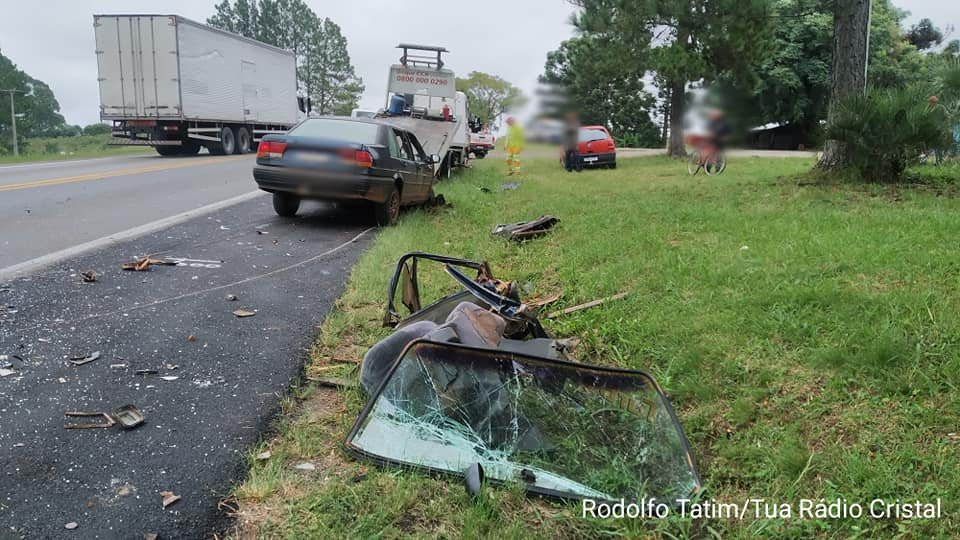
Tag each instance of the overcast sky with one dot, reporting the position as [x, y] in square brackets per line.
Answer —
[52, 40]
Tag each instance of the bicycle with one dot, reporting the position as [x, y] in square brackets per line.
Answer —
[705, 156]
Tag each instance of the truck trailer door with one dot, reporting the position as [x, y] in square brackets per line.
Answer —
[248, 77]
[137, 64]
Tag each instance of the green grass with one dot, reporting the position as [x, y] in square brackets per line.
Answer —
[807, 334]
[61, 148]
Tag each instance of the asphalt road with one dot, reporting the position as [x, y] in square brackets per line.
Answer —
[229, 377]
[47, 207]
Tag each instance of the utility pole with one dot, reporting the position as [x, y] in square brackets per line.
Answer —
[13, 119]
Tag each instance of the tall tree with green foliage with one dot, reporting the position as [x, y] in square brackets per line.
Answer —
[489, 96]
[333, 83]
[324, 72]
[590, 77]
[38, 113]
[681, 40]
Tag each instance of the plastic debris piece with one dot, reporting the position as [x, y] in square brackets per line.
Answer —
[118, 366]
[71, 526]
[263, 456]
[89, 276]
[150, 536]
[144, 263]
[169, 378]
[4, 372]
[81, 360]
[191, 338]
[169, 498]
[509, 186]
[241, 313]
[473, 479]
[231, 298]
[305, 467]
[5, 361]
[525, 230]
[61, 380]
[129, 416]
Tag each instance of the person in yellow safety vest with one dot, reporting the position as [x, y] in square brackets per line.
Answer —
[514, 145]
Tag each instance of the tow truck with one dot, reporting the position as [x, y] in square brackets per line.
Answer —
[422, 98]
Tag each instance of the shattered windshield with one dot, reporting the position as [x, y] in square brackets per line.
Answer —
[562, 429]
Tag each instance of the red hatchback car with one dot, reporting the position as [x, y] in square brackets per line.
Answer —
[596, 147]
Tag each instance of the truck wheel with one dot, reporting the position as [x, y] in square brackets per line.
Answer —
[168, 150]
[227, 144]
[286, 204]
[243, 141]
[388, 211]
[190, 148]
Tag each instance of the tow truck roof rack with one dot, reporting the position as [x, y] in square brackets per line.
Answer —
[421, 59]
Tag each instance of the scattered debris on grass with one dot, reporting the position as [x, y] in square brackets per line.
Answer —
[586, 305]
[474, 378]
[263, 456]
[81, 360]
[89, 276]
[526, 230]
[509, 186]
[241, 313]
[168, 498]
[305, 467]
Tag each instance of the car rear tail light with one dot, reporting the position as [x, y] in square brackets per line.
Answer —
[360, 158]
[271, 149]
[363, 158]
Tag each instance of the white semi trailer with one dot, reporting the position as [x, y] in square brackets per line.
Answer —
[178, 85]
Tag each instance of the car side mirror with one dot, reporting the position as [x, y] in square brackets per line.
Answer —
[434, 158]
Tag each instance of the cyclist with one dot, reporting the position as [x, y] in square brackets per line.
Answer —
[719, 132]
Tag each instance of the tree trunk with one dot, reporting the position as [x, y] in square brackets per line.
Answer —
[851, 43]
[678, 107]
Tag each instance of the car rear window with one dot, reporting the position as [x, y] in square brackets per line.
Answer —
[587, 135]
[340, 130]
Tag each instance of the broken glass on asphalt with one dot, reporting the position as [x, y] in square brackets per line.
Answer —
[562, 429]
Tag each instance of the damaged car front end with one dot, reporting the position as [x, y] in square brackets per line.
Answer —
[473, 381]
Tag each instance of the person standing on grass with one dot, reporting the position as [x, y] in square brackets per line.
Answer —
[571, 138]
[514, 145]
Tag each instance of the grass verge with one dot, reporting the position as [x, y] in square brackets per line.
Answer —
[65, 148]
[806, 333]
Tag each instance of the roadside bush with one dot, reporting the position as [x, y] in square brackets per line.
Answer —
[886, 130]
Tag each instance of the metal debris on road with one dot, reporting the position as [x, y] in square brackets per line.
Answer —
[241, 313]
[231, 298]
[103, 420]
[118, 366]
[526, 230]
[4, 372]
[144, 263]
[5, 361]
[150, 536]
[168, 498]
[191, 337]
[587, 305]
[169, 377]
[262, 232]
[81, 360]
[146, 372]
[89, 276]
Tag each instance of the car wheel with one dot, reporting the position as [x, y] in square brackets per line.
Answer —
[613, 165]
[388, 211]
[286, 204]
[243, 141]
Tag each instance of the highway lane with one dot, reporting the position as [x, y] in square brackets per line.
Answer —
[52, 206]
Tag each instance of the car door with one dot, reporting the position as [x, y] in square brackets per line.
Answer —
[424, 165]
[406, 165]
